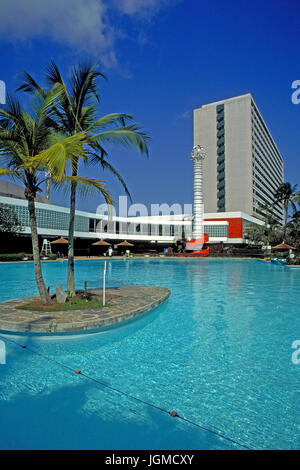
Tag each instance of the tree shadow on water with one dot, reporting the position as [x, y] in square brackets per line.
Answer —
[83, 417]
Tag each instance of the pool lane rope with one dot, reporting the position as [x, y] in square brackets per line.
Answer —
[172, 413]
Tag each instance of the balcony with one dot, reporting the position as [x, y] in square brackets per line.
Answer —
[221, 158]
[221, 184]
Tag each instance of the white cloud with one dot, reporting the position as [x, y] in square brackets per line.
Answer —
[181, 118]
[81, 24]
[131, 7]
[185, 115]
[78, 23]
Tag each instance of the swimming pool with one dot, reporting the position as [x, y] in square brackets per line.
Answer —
[218, 352]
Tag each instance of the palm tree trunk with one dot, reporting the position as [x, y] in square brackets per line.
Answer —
[286, 208]
[36, 253]
[70, 276]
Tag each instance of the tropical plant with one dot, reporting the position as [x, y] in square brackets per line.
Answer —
[76, 111]
[9, 221]
[287, 194]
[293, 230]
[256, 234]
[28, 147]
[269, 217]
[267, 234]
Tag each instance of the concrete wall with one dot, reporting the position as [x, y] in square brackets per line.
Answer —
[205, 135]
[238, 140]
[238, 155]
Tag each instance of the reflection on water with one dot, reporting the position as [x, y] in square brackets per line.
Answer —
[218, 351]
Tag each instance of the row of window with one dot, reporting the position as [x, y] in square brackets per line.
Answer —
[265, 132]
[259, 202]
[263, 140]
[217, 230]
[60, 221]
[50, 219]
[274, 178]
[220, 158]
[257, 205]
[259, 169]
[260, 196]
[258, 212]
[266, 202]
[159, 230]
[259, 149]
[268, 195]
[264, 171]
[125, 228]
[262, 188]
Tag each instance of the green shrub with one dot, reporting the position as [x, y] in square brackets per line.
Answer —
[295, 260]
[21, 256]
[14, 256]
[281, 254]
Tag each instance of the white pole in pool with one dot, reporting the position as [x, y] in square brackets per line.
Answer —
[197, 156]
[104, 274]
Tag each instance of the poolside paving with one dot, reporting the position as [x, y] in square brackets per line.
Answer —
[123, 303]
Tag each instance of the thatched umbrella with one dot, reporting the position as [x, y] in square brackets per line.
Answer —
[125, 243]
[283, 246]
[60, 241]
[101, 243]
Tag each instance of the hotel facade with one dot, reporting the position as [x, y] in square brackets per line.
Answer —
[164, 230]
[243, 167]
[241, 172]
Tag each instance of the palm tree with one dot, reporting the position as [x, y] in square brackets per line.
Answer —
[76, 111]
[28, 147]
[256, 234]
[293, 227]
[272, 225]
[23, 136]
[287, 194]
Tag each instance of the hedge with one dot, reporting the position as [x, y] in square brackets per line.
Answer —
[21, 256]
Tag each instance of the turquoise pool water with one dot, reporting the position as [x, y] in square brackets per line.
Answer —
[218, 352]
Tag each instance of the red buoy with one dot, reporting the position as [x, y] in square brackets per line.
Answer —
[78, 371]
[23, 346]
[173, 414]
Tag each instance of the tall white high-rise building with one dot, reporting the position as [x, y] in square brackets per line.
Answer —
[243, 167]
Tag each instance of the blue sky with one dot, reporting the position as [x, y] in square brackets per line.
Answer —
[163, 58]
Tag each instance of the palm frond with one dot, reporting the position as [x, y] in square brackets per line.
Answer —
[67, 116]
[129, 136]
[5, 171]
[15, 175]
[296, 197]
[46, 102]
[13, 112]
[97, 159]
[84, 83]
[85, 186]
[62, 150]
[29, 85]
[109, 119]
